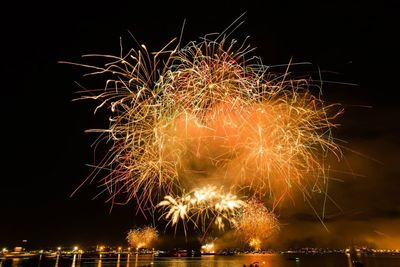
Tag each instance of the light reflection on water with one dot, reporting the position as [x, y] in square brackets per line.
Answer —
[264, 260]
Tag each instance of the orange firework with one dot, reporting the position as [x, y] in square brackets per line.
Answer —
[141, 237]
[255, 223]
[206, 115]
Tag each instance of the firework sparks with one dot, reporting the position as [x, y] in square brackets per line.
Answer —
[208, 248]
[202, 207]
[205, 114]
[141, 237]
[255, 223]
[255, 243]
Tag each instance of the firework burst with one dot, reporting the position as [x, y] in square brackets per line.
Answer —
[255, 223]
[202, 207]
[207, 114]
[141, 237]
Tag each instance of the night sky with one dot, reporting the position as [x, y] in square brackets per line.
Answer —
[45, 149]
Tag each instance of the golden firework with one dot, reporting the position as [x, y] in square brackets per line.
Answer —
[206, 114]
[202, 207]
[255, 223]
[141, 237]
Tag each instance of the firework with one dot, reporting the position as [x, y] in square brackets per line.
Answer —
[141, 237]
[205, 114]
[208, 248]
[202, 207]
[255, 243]
[255, 223]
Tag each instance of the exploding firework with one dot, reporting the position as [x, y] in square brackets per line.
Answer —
[208, 248]
[206, 114]
[255, 243]
[141, 237]
[202, 207]
[255, 223]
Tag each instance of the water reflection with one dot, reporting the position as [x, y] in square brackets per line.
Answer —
[76, 260]
[119, 260]
[57, 260]
[136, 260]
[266, 260]
[349, 264]
[73, 261]
[16, 262]
[128, 258]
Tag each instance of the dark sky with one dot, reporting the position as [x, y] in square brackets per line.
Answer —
[45, 149]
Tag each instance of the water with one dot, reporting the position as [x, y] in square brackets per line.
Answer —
[264, 260]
